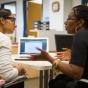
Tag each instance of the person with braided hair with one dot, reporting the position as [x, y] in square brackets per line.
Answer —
[77, 24]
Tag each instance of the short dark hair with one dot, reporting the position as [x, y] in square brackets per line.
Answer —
[81, 12]
[5, 12]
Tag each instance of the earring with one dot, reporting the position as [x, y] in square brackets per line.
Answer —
[76, 29]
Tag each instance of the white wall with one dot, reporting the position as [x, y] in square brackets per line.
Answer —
[68, 4]
[20, 21]
[19, 16]
[45, 10]
[76, 2]
[57, 18]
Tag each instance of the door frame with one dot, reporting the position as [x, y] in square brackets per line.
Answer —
[25, 14]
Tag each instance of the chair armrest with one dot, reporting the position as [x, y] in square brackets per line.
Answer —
[84, 80]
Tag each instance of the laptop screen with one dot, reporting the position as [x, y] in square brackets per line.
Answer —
[28, 45]
[63, 41]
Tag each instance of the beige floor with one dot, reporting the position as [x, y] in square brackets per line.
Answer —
[32, 83]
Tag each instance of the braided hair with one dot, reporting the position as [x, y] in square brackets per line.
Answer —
[4, 12]
[81, 12]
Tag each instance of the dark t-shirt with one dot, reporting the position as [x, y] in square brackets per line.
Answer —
[79, 51]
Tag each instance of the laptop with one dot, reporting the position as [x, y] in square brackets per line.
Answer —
[63, 41]
[27, 45]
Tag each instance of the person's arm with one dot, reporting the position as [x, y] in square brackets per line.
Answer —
[7, 71]
[76, 66]
[70, 70]
[20, 68]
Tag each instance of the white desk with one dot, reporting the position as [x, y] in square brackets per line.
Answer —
[42, 66]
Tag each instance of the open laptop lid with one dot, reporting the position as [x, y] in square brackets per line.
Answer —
[63, 41]
[28, 45]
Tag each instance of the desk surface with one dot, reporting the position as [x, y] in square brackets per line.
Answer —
[38, 65]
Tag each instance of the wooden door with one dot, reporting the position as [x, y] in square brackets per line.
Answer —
[34, 13]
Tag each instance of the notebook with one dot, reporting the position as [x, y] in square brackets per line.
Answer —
[63, 41]
[15, 81]
[28, 45]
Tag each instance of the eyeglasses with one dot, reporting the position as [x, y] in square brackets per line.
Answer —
[72, 19]
[11, 18]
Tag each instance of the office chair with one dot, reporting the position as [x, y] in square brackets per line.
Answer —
[83, 83]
